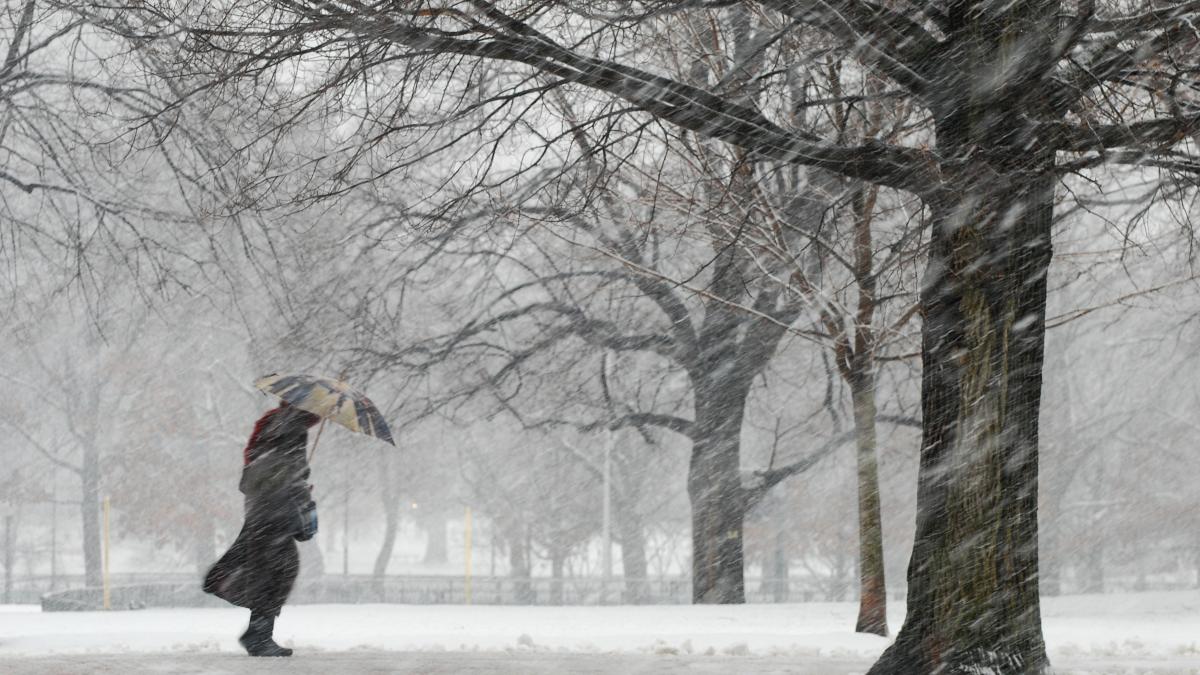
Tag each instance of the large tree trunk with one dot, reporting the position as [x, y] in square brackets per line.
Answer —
[436, 544]
[778, 569]
[872, 605]
[557, 560]
[391, 520]
[718, 498]
[633, 555]
[518, 564]
[973, 601]
[391, 516]
[1093, 572]
[89, 508]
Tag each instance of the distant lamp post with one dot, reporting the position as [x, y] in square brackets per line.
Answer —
[610, 434]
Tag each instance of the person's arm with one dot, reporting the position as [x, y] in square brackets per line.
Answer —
[303, 505]
[298, 490]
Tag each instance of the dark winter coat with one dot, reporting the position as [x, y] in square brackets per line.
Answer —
[259, 569]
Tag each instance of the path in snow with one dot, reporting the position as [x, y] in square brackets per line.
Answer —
[508, 663]
[1155, 633]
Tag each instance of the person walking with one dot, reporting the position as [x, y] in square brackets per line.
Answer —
[259, 569]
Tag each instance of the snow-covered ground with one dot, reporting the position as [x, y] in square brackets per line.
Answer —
[1129, 633]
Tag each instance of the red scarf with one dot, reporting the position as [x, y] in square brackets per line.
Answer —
[259, 426]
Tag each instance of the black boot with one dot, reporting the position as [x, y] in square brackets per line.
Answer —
[257, 639]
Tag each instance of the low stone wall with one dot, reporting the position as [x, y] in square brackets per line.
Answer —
[134, 596]
[431, 590]
[415, 590]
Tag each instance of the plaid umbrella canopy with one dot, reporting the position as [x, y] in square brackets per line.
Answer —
[331, 399]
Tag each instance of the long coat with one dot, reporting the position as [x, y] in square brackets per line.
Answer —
[260, 568]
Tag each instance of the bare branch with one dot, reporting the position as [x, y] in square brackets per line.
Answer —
[42, 449]
[888, 40]
[679, 425]
[765, 480]
[687, 106]
[1150, 136]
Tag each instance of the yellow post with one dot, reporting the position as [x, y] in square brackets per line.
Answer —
[107, 599]
[467, 556]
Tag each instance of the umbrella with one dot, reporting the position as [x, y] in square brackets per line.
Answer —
[331, 399]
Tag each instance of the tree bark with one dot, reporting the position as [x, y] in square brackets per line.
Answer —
[973, 602]
[1094, 567]
[518, 563]
[89, 508]
[718, 498]
[557, 558]
[436, 546]
[391, 516]
[872, 605]
[780, 567]
[973, 577]
[391, 520]
[388, 546]
[633, 555]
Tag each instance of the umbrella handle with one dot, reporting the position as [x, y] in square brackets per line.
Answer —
[316, 440]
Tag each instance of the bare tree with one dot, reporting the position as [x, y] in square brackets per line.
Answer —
[830, 264]
[1017, 95]
[97, 187]
[69, 416]
[175, 476]
[711, 340]
[799, 241]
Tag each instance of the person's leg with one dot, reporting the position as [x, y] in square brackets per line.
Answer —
[258, 639]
